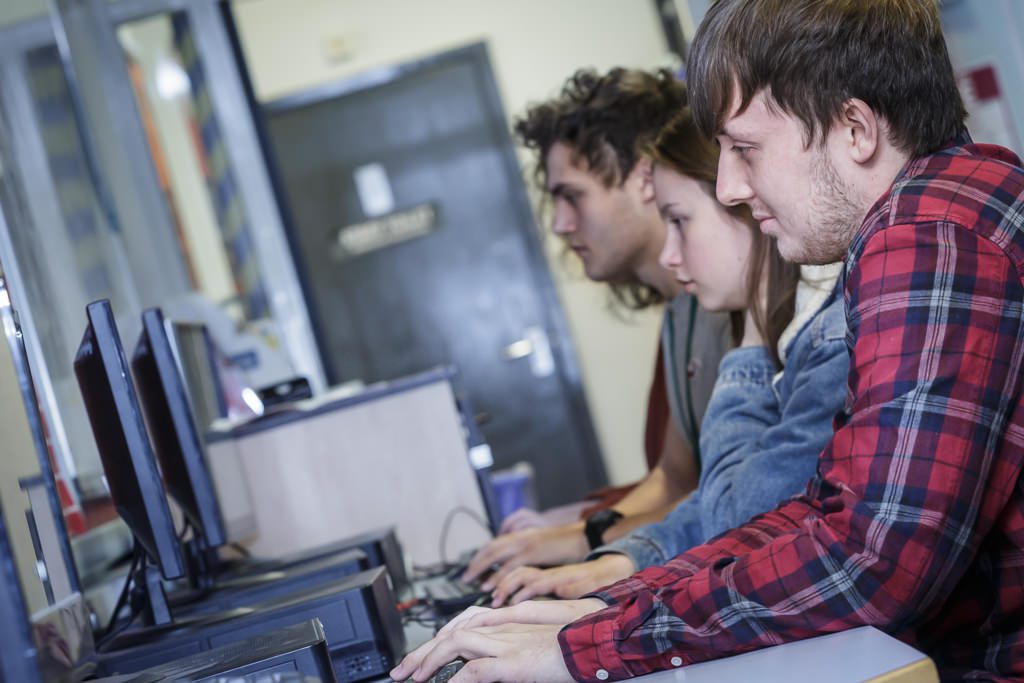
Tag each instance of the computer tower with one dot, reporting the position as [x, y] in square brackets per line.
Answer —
[294, 653]
[359, 616]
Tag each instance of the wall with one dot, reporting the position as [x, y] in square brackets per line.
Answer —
[13, 11]
[980, 32]
[17, 459]
[293, 45]
[17, 456]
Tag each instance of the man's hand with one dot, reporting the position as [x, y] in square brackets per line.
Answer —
[548, 612]
[570, 581]
[513, 644]
[508, 653]
[555, 545]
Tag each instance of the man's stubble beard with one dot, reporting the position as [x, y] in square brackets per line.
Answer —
[834, 214]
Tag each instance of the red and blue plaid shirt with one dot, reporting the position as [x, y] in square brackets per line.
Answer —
[914, 522]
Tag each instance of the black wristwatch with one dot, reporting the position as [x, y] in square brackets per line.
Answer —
[598, 523]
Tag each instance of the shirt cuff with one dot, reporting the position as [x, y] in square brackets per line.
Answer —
[620, 591]
[642, 551]
[588, 648]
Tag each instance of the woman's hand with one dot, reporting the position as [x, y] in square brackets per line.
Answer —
[570, 581]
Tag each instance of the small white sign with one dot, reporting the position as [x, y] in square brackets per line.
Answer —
[374, 190]
[377, 233]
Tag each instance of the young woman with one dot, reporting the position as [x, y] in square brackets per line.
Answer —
[772, 407]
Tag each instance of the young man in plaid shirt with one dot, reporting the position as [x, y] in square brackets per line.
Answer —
[840, 125]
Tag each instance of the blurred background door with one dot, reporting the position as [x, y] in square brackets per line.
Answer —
[415, 241]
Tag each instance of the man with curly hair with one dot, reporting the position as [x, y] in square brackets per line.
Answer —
[591, 170]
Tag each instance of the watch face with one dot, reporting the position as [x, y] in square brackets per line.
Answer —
[608, 516]
[598, 523]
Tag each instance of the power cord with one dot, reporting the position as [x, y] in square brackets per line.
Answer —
[109, 632]
[446, 528]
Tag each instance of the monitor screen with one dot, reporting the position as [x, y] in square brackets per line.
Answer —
[124, 447]
[173, 429]
[198, 359]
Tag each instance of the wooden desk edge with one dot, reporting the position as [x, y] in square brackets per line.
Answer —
[921, 671]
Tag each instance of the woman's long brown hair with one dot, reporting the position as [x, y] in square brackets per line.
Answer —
[681, 148]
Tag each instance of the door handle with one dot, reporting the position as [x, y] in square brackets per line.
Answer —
[535, 346]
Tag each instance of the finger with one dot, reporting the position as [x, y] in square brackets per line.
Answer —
[462, 618]
[522, 518]
[510, 522]
[516, 579]
[523, 594]
[467, 644]
[486, 557]
[499, 574]
[542, 584]
[411, 662]
[483, 670]
[486, 617]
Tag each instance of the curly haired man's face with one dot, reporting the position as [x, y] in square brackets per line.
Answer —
[604, 226]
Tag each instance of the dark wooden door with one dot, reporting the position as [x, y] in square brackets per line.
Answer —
[412, 229]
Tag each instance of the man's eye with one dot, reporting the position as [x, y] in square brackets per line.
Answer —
[740, 149]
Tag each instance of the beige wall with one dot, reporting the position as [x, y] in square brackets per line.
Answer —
[13, 11]
[17, 459]
[292, 45]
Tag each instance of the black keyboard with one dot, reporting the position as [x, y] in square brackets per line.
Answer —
[448, 594]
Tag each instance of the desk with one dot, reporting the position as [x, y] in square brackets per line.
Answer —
[394, 454]
[854, 656]
[860, 654]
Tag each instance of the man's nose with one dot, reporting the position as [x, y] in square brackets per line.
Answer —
[733, 187]
[564, 220]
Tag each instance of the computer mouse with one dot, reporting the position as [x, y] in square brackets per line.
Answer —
[445, 672]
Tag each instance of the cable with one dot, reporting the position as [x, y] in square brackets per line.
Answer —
[446, 527]
[240, 549]
[109, 632]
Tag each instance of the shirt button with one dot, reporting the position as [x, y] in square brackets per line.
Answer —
[677, 661]
[602, 675]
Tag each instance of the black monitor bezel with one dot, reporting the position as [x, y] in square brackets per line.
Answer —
[172, 428]
[134, 481]
[213, 401]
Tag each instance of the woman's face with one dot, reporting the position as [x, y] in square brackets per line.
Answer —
[707, 249]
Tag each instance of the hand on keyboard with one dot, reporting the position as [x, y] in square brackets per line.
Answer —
[445, 672]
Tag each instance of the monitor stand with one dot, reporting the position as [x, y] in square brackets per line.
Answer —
[202, 563]
[148, 596]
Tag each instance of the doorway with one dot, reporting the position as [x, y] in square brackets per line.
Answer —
[416, 245]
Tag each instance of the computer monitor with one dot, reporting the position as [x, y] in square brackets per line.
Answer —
[198, 357]
[174, 435]
[47, 519]
[124, 447]
[18, 655]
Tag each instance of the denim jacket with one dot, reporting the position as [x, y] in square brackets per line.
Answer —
[760, 438]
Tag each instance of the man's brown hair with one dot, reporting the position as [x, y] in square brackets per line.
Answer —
[606, 120]
[811, 56]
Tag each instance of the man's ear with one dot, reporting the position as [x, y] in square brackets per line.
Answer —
[644, 172]
[862, 132]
